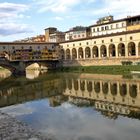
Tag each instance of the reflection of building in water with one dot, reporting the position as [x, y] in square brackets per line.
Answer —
[107, 95]
[23, 91]
[121, 97]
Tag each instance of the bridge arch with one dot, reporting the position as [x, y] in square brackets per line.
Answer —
[11, 68]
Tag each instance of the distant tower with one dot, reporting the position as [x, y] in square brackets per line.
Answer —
[49, 31]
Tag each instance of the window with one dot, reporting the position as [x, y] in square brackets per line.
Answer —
[73, 44]
[97, 29]
[79, 44]
[131, 37]
[106, 27]
[120, 39]
[87, 43]
[111, 26]
[3, 47]
[102, 41]
[122, 24]
[78, 35]
[83, 35]
[117, 25]
[13, 47]
[67, 45]
[102, 28]
[111, 40]
[93, 29]
[94, 42]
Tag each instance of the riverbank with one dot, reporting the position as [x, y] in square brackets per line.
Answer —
[113, 69]
[12, 129]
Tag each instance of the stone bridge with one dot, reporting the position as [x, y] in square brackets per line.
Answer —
[19, 67]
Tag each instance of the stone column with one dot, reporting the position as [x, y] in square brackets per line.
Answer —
[99, 52]
[77, 54]
[107, 51]
[64, 54]
[91, 53]
[84, 54]
[137, 50]
[126, 49]
[116, 51]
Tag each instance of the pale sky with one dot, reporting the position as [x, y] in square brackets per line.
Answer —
[26, 18]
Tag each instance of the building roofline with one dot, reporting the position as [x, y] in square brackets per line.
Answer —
[71, 30]
[26, 43]
[101, 36]
[114, 21]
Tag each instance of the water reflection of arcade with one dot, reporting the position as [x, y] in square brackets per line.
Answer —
[114, 96]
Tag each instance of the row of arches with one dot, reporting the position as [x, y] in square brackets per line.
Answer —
[102, 51]
[103, 87]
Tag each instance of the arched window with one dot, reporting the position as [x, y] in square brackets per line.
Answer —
[87, 52]
[74, 54]
[68, 54]
[131, 49]
[95, 51]
[80, 52]
[103, 51]
[121, 49]
[112, 51]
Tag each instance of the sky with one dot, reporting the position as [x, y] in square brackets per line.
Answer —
[20, 19]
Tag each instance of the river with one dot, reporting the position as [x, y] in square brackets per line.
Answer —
[74, 106]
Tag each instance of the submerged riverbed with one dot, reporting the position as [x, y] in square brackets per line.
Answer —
[68, 106]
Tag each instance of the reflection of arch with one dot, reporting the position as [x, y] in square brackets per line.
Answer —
[123, 89]
[105, 88]
[113, 89]
[121, 49]
[87, 52]
[70, 84]
[89, 86]
[133, 91]
[95, 51]
[112, 51]
[76, 87]
[103, 51]
[82, 85]
[74, 53]
[80, 52]
[97, 87]
[68, 54]
[64, 85]
[131, 49]
[62, 54]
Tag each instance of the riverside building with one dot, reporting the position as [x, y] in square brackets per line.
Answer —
[110, 42]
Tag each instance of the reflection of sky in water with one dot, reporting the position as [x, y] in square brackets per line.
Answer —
[68, 122]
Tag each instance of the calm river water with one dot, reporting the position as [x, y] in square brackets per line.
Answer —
[66, 106]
